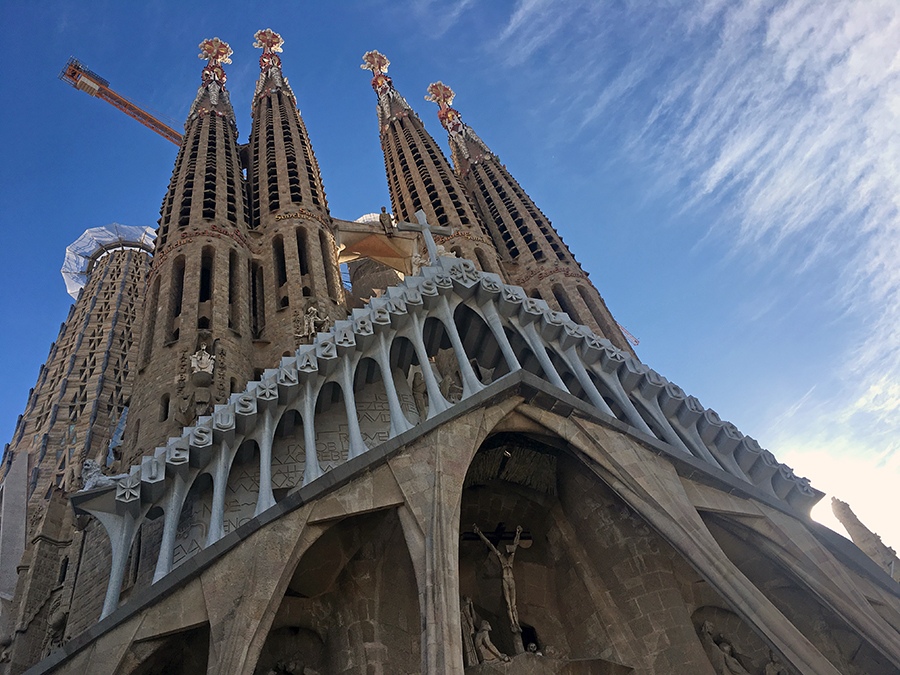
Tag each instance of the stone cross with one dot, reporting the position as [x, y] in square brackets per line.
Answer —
[428, 233]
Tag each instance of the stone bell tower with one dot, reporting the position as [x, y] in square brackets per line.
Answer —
[197, 339]
[295, 281]
[532, 253]
[420, 177]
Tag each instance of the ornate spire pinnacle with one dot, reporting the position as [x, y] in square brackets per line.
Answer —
[440, 93]
[463, 140]
[378, 64]
[391, 105]
[270, 76]
[270, 42]
[216, 53]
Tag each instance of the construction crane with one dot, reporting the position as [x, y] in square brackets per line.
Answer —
[628, 336]
[80, 77]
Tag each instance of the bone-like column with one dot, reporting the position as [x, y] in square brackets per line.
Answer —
[174, 504]
[436, 401]
[399, 423]
[220, 483]
[308, 412]
[265, 434]
[357, 444]
[495, 323]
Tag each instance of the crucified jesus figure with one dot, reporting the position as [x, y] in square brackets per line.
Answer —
[509, 583]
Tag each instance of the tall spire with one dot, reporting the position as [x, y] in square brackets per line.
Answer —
[532, 253]
[197, 294]
[289, 215]
[212, 95]
[419, 175]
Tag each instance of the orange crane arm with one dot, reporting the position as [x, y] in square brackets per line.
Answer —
[78, 75]
[628, 336]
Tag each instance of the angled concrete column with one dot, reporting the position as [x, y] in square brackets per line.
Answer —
[220, 484]
[265, 434]
[399, 423]
[308, 413]
[357, 444]
[495, 323]
[436, 401]
[471, 383]
[174, 502]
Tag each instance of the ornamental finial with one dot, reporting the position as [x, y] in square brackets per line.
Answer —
[440, 93]
[378, 64]
[216, 53]
[375, 61]
[270, 42]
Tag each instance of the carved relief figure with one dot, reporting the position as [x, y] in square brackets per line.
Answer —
[774, 666]
[202, 361]
[311, 324]
[509, 583]
[93, 477]
[721, 653]
[420, 394]
[467, 615]
[184, 409]
[486, 648]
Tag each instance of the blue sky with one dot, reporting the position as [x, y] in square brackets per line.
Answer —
[727, 172]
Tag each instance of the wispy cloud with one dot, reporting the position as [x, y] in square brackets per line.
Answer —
[781, 118]
[442, 16]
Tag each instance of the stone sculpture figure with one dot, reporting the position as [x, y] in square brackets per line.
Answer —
[509, 583]
[202, 361]
[420, 394]
[311, 324]
[467, 616]
[485, 647]
[94, 478]
[774, 666]
[387, 222]
[721, 653]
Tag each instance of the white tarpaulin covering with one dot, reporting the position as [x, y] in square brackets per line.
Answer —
[94, 243]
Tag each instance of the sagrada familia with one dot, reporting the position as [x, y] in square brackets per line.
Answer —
[233, 463]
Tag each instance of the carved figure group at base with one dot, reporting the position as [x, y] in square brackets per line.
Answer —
[486, 649]
[720, 653]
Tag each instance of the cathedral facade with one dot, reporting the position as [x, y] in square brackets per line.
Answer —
[233, 463]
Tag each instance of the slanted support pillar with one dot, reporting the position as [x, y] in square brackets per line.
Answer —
[174, 502]
[308, 413]
[399, 423]
[436, 401]
[471, 383]
[266, 433]
[492, 318]
[357, 444]
[220, 484]
[121, 530]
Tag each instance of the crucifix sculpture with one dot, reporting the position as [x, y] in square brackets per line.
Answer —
[427, 231]
[509, 583]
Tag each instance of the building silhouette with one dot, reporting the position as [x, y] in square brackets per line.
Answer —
[232, 463]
